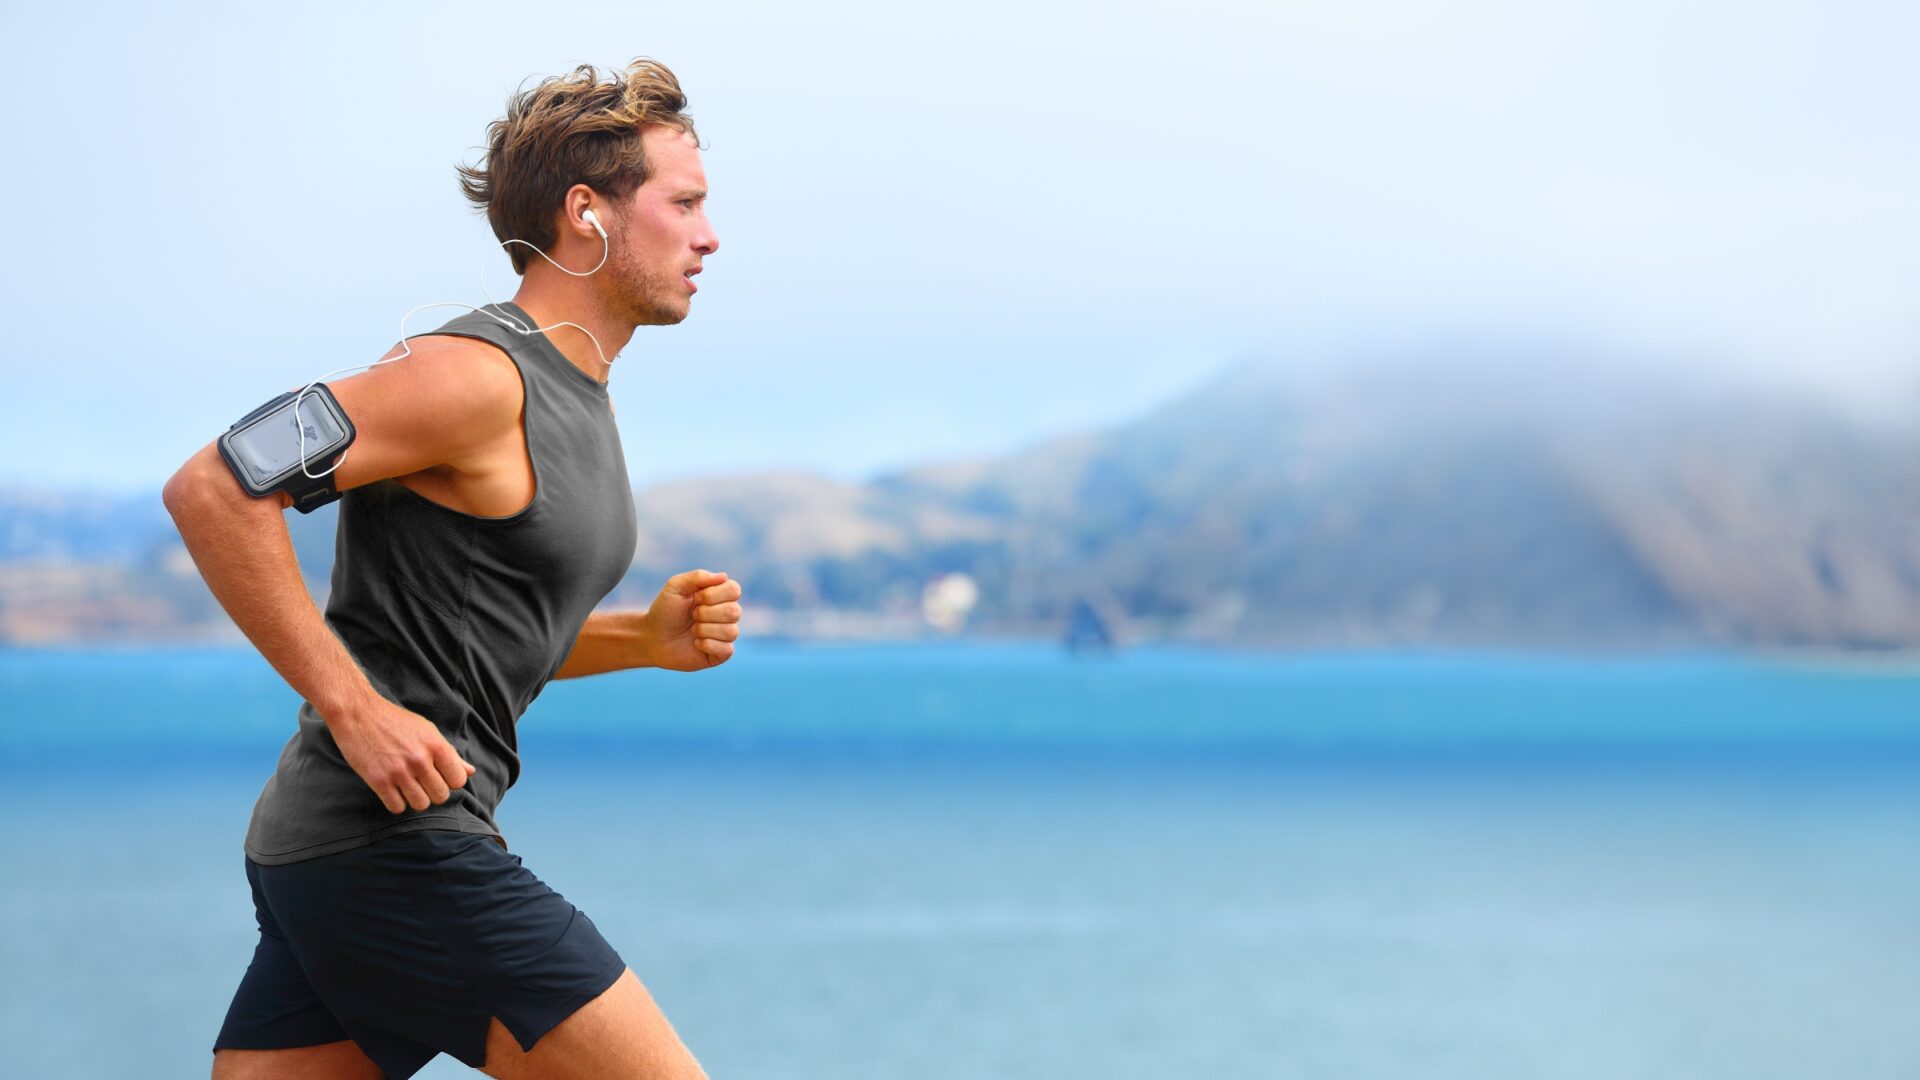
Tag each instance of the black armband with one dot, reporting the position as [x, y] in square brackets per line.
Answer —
[263, 448]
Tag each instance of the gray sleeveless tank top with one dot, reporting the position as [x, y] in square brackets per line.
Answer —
[460, 618]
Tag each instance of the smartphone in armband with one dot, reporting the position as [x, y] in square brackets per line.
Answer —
[263, 447]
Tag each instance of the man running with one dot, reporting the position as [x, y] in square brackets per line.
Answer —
[484, 511]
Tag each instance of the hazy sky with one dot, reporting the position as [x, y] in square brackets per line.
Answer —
[952, 232]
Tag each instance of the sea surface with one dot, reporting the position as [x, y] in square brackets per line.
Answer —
[966, 860]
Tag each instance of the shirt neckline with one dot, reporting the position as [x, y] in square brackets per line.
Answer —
[543, 343]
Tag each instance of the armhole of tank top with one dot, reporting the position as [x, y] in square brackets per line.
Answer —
[526, 435]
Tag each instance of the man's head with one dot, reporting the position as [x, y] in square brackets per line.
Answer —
[624, 147]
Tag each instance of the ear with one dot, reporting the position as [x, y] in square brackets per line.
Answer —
[573, 207]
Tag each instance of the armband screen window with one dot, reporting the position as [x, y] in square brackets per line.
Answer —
[263, 448]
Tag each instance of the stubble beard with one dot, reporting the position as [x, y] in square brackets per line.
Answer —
[648, 297]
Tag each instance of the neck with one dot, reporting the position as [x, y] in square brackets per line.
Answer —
[553, 297]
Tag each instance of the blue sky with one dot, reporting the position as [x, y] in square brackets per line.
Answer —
[948, 233]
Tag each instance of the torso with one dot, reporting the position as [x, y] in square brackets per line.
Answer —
[459, 590]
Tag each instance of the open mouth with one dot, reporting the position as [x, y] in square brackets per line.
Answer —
[688, 278]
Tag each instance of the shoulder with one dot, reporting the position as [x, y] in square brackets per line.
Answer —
[442, 401]
[462, 378]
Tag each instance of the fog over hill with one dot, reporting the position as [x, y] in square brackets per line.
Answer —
[1420, 500]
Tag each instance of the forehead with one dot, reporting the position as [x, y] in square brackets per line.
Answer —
[674, 157]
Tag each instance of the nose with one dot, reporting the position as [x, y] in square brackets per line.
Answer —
[707, 243]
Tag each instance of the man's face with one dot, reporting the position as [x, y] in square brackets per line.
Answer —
[661, 234]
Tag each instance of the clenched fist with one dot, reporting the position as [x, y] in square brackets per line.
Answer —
[401, 755]
[694, 622]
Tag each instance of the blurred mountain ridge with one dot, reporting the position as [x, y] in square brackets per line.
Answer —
[1442, 497]
[1392, 500]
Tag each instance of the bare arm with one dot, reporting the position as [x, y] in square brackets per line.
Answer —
[439, 406]
[245, 553]
[691, 626]
[609, 641]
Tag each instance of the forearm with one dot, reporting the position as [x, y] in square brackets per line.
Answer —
[609, 641]
[245, 553]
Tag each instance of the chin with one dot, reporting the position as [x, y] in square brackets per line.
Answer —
[662, 314]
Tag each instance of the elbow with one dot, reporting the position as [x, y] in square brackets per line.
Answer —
[175, 494]
[185, 486]
[202, 479]
[205, 484]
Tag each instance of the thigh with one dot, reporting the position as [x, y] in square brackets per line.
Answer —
[620, 1033]
[330, 1061]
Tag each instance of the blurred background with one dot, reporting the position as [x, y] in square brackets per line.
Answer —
[1278, 540]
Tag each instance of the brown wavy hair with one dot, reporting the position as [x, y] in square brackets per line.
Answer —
[579, 128]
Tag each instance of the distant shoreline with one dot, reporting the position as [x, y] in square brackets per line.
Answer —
[1901, 662]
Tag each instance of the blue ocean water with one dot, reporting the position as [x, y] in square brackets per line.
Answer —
[973, 860]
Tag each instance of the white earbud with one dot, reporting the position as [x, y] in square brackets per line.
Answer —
[594, 220]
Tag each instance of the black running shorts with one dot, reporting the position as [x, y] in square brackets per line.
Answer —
[409, 946]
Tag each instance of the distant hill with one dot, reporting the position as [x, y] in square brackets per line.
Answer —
[1434, 502]
[1389, 504]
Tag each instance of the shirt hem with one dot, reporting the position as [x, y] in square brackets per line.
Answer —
[452, 822]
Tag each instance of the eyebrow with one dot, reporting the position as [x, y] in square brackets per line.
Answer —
[691, 193]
